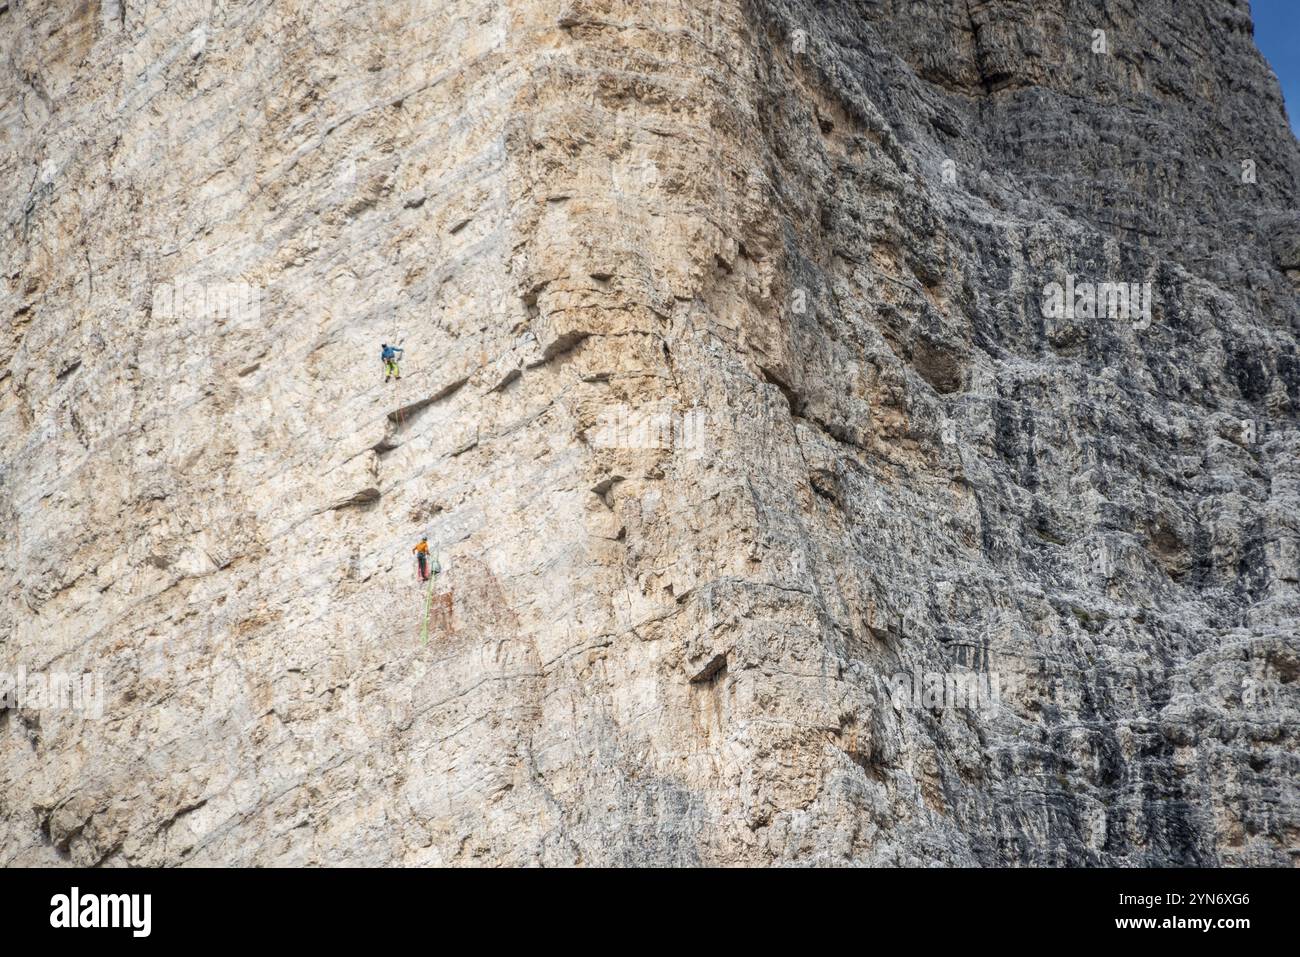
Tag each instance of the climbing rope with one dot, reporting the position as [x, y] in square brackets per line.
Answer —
[428, 604]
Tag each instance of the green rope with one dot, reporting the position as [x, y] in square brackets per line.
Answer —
[428, 603]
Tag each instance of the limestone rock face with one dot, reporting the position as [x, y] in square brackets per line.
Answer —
[736, 404]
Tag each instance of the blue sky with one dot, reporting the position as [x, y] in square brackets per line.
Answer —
[1277, 34]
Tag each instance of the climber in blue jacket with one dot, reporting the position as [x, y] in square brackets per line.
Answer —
[390, 355]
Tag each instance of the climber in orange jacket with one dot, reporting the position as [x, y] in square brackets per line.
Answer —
[422, 557]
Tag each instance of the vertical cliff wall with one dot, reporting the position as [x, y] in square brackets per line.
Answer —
[729, 405]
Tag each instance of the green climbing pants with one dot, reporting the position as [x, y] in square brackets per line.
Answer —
[390, 368]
